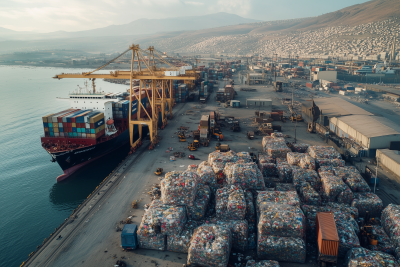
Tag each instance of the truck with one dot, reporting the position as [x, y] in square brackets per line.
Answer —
[328, 238]
[278, 86]
[250, 135]
[129, 237]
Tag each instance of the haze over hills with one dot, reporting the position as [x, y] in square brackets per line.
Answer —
[359, 30]
[138, 27]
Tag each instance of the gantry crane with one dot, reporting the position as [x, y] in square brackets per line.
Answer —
[152, 78]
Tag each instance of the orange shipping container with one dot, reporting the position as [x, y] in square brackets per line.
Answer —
[328, 239]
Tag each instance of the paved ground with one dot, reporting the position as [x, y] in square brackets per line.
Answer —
[91, 239]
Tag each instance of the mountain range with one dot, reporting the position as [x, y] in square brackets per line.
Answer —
[219, 30]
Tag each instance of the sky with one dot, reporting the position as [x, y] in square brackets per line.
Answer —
[77, 15]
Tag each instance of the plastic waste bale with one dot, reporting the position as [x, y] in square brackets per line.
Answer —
[344, 208]
[156, 242]
[162, 219]
[277, 197]
[264, 158]
[300, 147]
[179, 188]
[293, 158]
[327, 152]
[391, 223]
[206, 175]
[367, 202]
[285, 173]
[276, 134]
[348, 238]
[329, 162]
[332, 187]
[268, 169]
[210, 246]
[180, 242]
[345, 197]
[281, 220]
[239, 231]
[284, 187]
[275, 147]
[303, 175]
[359, 257]
[264, 263]
[197, 211]
[307, 162]
[230, 203]
[308, 195]
[229, 156]
[246, 175]
[384, 242]
[277, 248]
[244, 156]
[357, 184]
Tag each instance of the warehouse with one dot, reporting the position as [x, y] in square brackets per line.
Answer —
[265, 104]
[371, 132]
[331, 107]
[389, 159]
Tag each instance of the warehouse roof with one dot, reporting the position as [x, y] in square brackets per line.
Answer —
[336, 106]
[391, 154]
[370, 126]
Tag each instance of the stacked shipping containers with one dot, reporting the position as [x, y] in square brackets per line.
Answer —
[74, 123]
[121, 109]
[204, 126]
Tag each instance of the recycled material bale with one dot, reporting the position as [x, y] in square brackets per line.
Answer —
[391, 223]
[346, 196]
[206, 175]
[300, 147]
[268, 169]
[280, 161]
[239, 230]
[264, 263]
[367, 202]
[156, 242]
[347, 237]
[281, 220]
[230, 203]
[384, 242]
[244, 156]
[245, 175]
[357, 184]
[218, 167]
[308, 195]
[277, 197]
[179, 188]
[180, 242]
[363, 257]
[162, 219]
[284, 187]
[281, 249]
[275, 147]
[229, 156]
[276, 134]
[344, 208]
[210, 246]
[285, 173]
[263, 158]
[326, 152]
[332, 186]
[302, 175]
[319, 162]
[307, 162]
[293, 158]
[197, 211]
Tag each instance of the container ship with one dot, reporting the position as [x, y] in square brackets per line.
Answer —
[95, 125]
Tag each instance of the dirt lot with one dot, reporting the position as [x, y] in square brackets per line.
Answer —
[95, 241]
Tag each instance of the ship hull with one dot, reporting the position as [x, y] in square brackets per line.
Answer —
[73, 160]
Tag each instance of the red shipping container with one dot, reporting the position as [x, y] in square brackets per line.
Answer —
[69, 125]
[65, 125]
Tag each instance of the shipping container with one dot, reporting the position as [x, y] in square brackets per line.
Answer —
[327, 236]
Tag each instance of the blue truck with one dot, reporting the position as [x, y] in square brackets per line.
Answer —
[129, 237]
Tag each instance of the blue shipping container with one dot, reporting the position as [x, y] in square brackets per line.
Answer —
[50, 125]
[99, 123]
[45, 124]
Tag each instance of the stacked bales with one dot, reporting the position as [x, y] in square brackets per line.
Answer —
[301, 176]
[180, 243]
[335, 190]
[197, 210]
[391, 224]
[230, 203]
[308, 195]
[245, 175]
[384, 243]
[210, 246]
[239, 230]
[367, 202]
[179, 188]
[275, 147]
[206, 175]
[364, 257]
[267, 166]
[300, 147]
[352, 178]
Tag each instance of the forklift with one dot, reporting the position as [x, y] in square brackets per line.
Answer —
[182, 137]
[366, 234]
[192, 147]
[159, 171]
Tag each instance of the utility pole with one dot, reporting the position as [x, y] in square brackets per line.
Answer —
[276, 60]
[376, 173]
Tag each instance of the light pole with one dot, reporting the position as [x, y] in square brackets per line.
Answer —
[376, 173]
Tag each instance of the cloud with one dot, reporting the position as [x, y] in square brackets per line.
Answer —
[194, 3]
[241, 7]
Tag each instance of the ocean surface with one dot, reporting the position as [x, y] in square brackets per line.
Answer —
[32, 203]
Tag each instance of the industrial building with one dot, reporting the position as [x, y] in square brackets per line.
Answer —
[264, 104]
[331, 107]
[329, 75]
[250, 78]
[369, 131]
[390, 159]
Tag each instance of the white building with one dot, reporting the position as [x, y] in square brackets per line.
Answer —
[324, 75]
